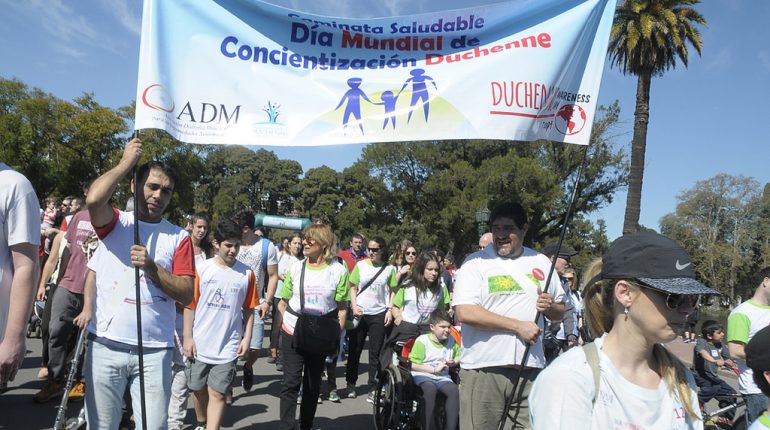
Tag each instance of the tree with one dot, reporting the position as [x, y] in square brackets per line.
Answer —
[647, 38]
[719, 222]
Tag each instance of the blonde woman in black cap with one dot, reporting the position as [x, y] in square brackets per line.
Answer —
[637, 299]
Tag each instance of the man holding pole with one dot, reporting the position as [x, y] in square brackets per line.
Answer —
[498, 292]
[165, 258]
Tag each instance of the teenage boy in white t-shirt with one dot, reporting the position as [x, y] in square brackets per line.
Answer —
[225, 298]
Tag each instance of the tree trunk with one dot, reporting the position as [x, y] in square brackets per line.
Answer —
[638, 146]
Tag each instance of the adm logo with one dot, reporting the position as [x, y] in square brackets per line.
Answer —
[158, 98]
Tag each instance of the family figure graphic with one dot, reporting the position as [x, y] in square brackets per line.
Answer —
[420, 94]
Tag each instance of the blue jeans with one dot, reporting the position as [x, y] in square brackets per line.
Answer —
[108, 371]
[755, 405]
[257, 332]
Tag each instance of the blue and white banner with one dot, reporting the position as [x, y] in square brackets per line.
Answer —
[247, 72]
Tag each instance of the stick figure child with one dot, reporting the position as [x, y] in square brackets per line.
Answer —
[389, 102]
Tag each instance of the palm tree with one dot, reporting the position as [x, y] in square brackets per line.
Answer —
[647, 38]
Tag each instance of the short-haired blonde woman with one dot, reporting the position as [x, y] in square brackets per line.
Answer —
[637, 299]
[326, 292]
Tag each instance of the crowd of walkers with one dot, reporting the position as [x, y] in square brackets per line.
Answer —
[596, 359]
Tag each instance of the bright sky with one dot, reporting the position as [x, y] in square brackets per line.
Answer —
[704, 120]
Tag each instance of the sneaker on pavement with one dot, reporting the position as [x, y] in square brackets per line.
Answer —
[351, 391]
[333, 396]
[248, 378]
[370, 397]
[48, 392]
[279, 366]
[320, 400]
[77, 392]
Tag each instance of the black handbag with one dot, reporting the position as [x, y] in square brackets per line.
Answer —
[315, 334]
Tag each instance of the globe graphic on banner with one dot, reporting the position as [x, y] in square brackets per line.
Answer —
[570, 119]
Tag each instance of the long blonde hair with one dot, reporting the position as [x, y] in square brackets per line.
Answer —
[600, 311]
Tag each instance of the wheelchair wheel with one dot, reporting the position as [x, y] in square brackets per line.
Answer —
[387, 398]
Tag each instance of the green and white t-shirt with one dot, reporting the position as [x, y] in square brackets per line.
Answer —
[325, 285]
[376, 298]
[743, 323]
[417, 307]
[762, 423]
[427, 350]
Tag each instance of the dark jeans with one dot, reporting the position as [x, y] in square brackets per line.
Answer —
[276, 319]
[710, 387]
[63, 335]
[755, 405]
[452, 405]
[374, 327]
[304, 369]
[45, 322]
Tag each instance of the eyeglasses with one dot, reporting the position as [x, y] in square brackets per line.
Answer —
[374, 249]
[410, 253]
[309, 240]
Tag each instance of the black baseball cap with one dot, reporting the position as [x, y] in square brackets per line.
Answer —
[565, 251]
[758, 351]
[654, 260]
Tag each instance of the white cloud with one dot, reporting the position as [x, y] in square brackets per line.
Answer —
[128, 13]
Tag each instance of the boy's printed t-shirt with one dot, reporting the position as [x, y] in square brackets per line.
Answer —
[562, 396]
[705, 368]
[376, 298]
[742, 324]
[79, 233]
[325, 285]
[508, 287]
[115, 307]
[417, 311]
[221, 295]
[431, 353]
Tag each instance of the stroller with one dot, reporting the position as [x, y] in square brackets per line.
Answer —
[35, 324]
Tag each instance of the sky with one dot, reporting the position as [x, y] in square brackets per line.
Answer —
[704, 120]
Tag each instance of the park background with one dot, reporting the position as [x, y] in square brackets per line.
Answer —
[68, 80]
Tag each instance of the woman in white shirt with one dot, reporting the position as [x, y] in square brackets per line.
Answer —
[290, 255]
[638, 296]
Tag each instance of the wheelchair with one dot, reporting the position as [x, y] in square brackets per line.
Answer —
[398, 402]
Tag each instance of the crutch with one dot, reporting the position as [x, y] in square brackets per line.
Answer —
[61, 416]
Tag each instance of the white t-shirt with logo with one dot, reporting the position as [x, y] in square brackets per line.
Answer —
[508, 287]
[562, 396]
[221, 295]
[416, 306]
[325, 285]
[115, 307]
[376, 297]
[19, 223]
[743, 323]
[252, 257]
[285, 261]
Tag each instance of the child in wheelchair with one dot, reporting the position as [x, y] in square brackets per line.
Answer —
[431, 357]
[708, 356]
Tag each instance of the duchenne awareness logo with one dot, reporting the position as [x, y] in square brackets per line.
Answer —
[156, 97]
[570, 119]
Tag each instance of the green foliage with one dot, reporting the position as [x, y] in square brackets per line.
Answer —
[722, 224]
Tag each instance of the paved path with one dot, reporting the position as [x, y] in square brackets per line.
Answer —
[256, 409]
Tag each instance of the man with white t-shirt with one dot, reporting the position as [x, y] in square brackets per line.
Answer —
[165, 258]
[19, 241]
[259, 254]
[743, 323]
[498, 292]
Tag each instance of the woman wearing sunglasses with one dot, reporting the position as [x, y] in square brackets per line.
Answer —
[405, 268]
[324, 282]
[371, 284]
[637, 299]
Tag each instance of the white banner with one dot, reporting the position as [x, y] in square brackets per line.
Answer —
[247, 72]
